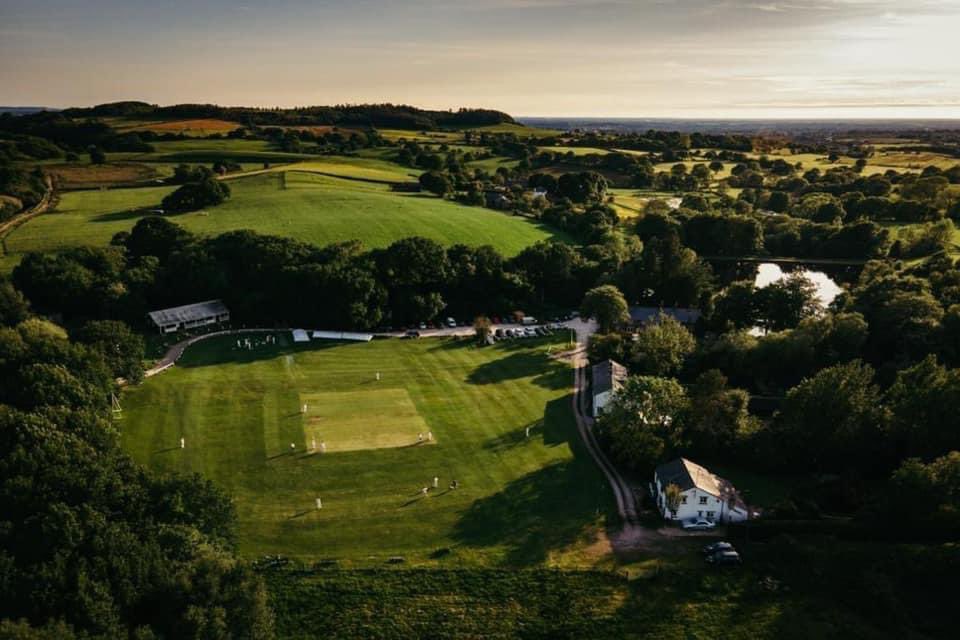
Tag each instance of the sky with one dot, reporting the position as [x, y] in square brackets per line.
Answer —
[604, 58]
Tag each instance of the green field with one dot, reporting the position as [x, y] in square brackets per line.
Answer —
[359, 168]
[312, 208]
[520, 130]
[577, 151]
[521, 500]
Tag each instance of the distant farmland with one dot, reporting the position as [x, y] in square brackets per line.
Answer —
[197, 127]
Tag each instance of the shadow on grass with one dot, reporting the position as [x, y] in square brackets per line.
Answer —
[546, 510]
[223, 349]
[551, 430]
[167, 450]
[117, 216]
[523, 364]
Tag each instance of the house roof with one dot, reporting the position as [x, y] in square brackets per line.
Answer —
[688, 475]
[608, 376]
[642, 315]
[188, 312]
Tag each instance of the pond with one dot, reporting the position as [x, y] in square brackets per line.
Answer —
[827, 289]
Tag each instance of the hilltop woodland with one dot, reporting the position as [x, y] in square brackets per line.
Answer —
[863, 392]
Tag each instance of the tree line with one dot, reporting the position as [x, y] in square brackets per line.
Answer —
[92, 545]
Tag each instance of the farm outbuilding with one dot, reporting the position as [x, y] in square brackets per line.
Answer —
[607, 378]
[189, 316]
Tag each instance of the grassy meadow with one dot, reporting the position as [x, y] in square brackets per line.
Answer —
[521, 501]
[313, 208]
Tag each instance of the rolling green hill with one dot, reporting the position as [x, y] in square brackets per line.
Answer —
[311, 208]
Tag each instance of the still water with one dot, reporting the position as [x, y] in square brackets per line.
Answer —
[827, 289]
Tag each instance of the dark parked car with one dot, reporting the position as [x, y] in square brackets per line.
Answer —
[713, 548]
[725, 559]
[412, 333]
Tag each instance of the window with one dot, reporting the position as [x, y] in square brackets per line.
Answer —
[703, 499]
[683, 499]
[711, 514]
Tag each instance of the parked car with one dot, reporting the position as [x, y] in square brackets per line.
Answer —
[451, 323]
[412, 333]
[725, 558]
[531, 332]
[498, 333]
[713, 548]
[423, 325]
[698, 524]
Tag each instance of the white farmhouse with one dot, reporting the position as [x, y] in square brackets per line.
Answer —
[702, 494]
[607, 378]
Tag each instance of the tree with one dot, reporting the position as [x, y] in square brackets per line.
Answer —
[923, 404]
[644, 421]
[552, 268]
[610, 346]
[14, 308]
[784, 303]
[436, 182]
[926, 496]
[155, 236]
[607, 304]
[719, 417]
[662, 346]
[779, 201]
[192, 196]
[736, 307]
[695, 201]
[673, 496]
[666, 273]
[91, 539]
[122, 348]
[482, 327]
[832, 421]
[97, 156]
[586, 186]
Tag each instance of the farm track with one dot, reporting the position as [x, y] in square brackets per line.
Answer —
[623, 493]
[48, 201]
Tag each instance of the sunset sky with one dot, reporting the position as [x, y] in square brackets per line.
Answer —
[644, 58]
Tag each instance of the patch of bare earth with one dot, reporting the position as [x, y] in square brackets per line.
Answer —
[81, 176]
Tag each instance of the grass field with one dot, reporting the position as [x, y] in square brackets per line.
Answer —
[629, 203]
[520, 130]
[78, 175]
[577, 151]
[356, 167]
[491, 165]
[521, 501]
[203, 151]
[438, 137]
[359, 420]
[193, 127]
[312, 208]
